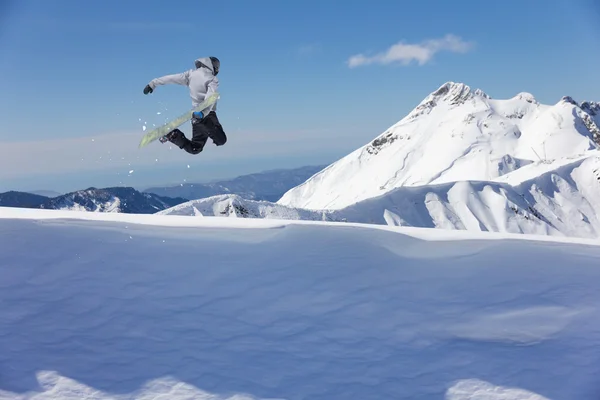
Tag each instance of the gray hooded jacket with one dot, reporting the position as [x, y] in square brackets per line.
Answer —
[201, 81]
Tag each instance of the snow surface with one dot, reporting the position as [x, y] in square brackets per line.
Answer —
[560, 198]
[455, 134]
[123, 306]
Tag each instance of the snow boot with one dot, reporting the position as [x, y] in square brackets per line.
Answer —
[167, 138]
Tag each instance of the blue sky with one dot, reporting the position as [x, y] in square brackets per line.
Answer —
[302, 82]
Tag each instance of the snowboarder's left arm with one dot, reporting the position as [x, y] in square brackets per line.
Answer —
[176, 79]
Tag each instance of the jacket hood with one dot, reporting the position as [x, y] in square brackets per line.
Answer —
[206, 62]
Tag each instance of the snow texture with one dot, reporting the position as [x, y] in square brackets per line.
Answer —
[455, 134]
[124, 306]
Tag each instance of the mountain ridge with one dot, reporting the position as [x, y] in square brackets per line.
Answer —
[265, 185]
[111, 199]
[454, 134]
[553, 199]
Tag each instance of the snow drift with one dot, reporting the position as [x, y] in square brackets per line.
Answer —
[123, 306]
[454, 134]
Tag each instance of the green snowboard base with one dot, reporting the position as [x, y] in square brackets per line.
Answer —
[177, 122]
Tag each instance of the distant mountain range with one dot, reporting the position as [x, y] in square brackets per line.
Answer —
[22, 199]
[115, 199]
[267, 185]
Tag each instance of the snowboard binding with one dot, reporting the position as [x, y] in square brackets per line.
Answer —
[166, 138]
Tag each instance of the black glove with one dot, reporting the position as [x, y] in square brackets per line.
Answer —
[148, 89]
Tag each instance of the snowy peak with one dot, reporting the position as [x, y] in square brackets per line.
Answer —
[456, 93]
[587, 117]
[527, 97]
[448, 96]
[450, 93]
[568, 99]
[591, 107]
[455, 134]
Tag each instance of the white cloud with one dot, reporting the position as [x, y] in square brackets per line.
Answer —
[405, 53]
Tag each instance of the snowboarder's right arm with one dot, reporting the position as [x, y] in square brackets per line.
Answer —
[175, 79]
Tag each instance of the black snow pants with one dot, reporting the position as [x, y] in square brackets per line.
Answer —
[208, 127]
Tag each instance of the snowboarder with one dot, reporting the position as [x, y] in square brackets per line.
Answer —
[202, 82]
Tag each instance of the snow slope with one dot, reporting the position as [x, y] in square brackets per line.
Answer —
[235, 206]
[126, 306]
[564, 201]
[454, 134]
[560, 198]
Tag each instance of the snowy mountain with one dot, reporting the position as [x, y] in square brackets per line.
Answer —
[454, 134]
[122, 306]
[21, 199]
[267, 185]
[560, 198]
[115, 199]
[235, 206]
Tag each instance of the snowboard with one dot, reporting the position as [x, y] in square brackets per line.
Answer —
[162, 130]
